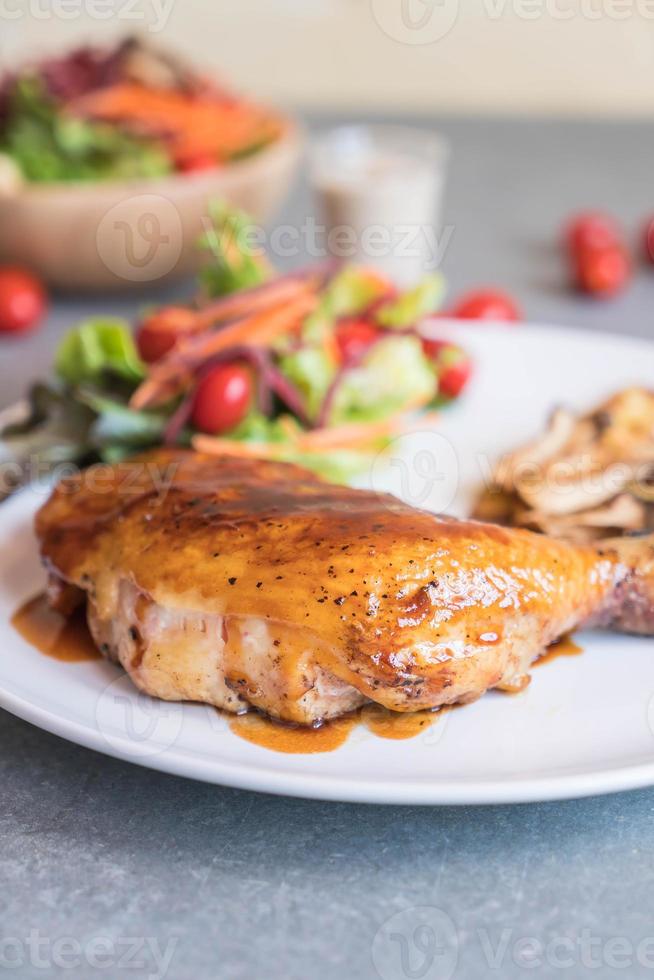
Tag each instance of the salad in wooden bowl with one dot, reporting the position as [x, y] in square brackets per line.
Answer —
[104, 151]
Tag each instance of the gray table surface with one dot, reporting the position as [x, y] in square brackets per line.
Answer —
[116, 871]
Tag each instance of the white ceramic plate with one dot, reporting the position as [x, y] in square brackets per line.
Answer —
[584, 726]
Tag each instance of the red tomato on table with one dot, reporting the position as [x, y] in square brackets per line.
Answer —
[23, 300]
[602, 271]
[593, 229]
[486, 304]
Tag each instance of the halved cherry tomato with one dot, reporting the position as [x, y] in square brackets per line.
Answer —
[353, 337]
[486, 304]
[602, 271]
[222, 399]
[23, 300]
[160, 331]
[591, 228]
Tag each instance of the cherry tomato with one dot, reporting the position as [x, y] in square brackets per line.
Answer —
[433, 348]
[222, 399]
[453, 365]
[648, 240]
[486, 304]
[196, 163]
[602, 271]
[22, 300]
[591, 228]
[353, 338]
[160, 331]
[453, 379]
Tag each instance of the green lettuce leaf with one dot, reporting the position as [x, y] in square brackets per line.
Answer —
[413, 305]
[348, 293]
[117, 423]
[395, 373]
[98, 346]
[48, 145]
[55, 430]
[311, 369]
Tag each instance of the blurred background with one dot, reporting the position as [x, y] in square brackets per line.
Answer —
[544, 108]
[593, 57]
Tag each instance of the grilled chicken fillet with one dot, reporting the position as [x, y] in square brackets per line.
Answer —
[247, 583]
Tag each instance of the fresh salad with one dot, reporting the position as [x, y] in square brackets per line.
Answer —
[124, 112]
[322, 366]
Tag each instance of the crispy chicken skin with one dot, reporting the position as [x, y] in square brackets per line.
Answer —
[248, 583]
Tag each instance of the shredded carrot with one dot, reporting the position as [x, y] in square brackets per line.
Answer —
[258, 330]
[190, 124]
[215, 446]
[353, 434]
[347, 436]
[246, 302]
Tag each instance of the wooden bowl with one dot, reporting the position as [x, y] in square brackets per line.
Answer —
[122, 234]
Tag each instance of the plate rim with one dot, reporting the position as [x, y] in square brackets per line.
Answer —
[338, 789]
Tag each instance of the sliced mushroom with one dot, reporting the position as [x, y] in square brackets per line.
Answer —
[624, 511]
[591, 490]
[587, 477]
[643, 488]
[559, 430]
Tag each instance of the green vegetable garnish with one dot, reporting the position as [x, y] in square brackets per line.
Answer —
[348, 293]
[116, 423]
[234, 264]
[49, 145]
[412, 306]
[395, 373]
[311, 370]
[97, 346]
